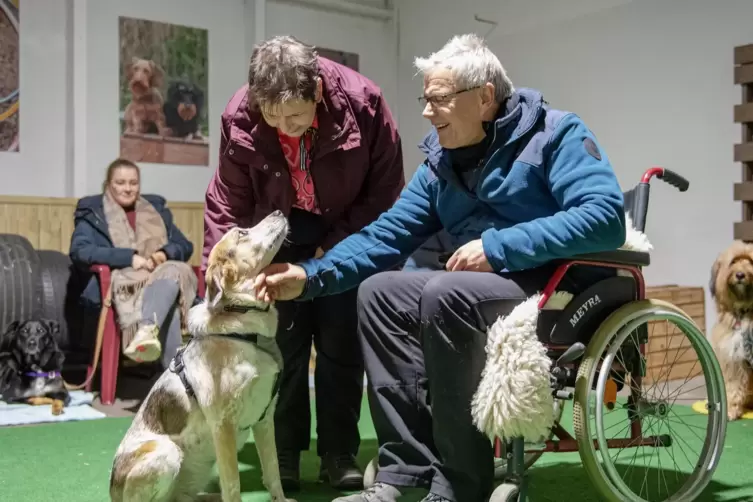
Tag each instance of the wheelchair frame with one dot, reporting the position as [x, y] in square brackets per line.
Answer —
[514, 484]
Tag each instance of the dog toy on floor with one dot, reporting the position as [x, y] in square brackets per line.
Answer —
[514, 397]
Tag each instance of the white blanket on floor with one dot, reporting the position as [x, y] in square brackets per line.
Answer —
[25, 414]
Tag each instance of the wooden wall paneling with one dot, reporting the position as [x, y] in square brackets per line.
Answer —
[47, 222]
[743, 151]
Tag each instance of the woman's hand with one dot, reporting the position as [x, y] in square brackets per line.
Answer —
[280, 281]
[158, 258]
[139, 262]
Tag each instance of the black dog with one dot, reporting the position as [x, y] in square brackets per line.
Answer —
[182, 108]
[30, 365]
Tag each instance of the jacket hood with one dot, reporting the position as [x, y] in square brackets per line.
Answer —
[522, 110]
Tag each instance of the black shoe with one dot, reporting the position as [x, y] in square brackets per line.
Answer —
[341, 471]
[290, 470]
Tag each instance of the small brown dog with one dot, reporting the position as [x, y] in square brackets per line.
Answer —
[145, 114]
[731, 286]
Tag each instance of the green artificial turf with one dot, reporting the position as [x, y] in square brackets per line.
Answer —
[71, 462]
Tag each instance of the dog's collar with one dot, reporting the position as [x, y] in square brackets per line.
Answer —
[42, 374]
[242, 309]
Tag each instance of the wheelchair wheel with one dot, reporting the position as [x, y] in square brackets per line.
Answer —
[653, 430]
[505, 492]
[500, 464]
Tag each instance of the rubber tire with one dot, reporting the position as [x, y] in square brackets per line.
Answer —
[20, 286]
[506, 492]
[55, 274]
[608, 329]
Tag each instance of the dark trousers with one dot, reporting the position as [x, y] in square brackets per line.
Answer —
[423, 337]
[331, 323]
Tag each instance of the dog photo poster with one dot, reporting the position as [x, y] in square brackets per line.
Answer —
[163, 92]
[9, 75]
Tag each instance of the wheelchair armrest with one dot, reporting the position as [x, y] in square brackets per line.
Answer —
[618, 256]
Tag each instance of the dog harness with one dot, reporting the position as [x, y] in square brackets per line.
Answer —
[178, 367]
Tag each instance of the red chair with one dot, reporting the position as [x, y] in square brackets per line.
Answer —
[110, 338]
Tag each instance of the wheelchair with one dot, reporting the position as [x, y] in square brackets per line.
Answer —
[598, 345]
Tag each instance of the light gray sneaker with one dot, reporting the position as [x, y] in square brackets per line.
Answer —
[378, 492]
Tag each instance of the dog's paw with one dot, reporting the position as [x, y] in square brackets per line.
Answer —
[57, 407]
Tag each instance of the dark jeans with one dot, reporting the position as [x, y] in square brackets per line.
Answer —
[423, 337]
[331, 324]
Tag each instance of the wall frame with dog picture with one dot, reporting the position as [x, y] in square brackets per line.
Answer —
[163, 89]
[10, 80]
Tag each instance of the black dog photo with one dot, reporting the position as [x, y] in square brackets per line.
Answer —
[183, 110]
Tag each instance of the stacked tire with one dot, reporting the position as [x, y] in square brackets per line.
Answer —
[36, 284]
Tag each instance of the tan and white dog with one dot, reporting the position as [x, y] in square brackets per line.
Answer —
[220, 387]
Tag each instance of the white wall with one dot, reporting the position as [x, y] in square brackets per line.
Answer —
[652, 78]
[69, 82]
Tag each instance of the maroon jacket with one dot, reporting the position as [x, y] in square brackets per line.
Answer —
[356, 165]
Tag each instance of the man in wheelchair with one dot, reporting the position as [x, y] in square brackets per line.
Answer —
[510, 185]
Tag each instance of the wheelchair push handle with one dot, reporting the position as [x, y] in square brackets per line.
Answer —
[667, 176]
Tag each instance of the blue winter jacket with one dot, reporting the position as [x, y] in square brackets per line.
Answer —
[91, 243]
[546, 191]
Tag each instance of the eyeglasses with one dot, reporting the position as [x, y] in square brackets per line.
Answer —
[442, 99]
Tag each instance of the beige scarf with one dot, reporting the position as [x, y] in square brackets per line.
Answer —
[128, 284]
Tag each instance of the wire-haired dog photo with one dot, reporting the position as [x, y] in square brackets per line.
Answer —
[731, 286]
[31, 363]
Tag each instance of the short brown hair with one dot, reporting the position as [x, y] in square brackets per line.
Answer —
[119, 162]
[282, 69]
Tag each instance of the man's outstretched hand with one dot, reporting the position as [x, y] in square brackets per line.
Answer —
[280, 281]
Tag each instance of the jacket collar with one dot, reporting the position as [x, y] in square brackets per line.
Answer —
[337, 127]
[517, 116]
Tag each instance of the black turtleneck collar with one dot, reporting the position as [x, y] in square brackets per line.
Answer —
[467, 160]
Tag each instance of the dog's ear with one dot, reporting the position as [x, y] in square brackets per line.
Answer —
[214, 288]
[712, 280]
[158, 75]
[11, 328]
[199, 95]
[52, 326]
[129, 67]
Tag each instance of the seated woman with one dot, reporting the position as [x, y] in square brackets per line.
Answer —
[152, 285]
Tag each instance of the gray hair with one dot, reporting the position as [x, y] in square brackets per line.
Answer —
[282, 69]
[471, 63]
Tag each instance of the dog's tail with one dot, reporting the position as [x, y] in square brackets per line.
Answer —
[106, 306]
